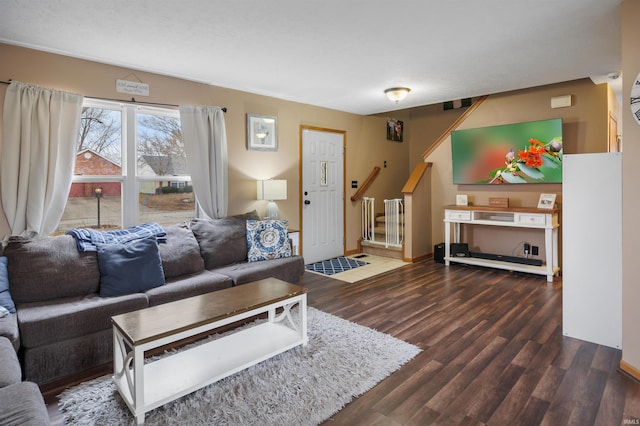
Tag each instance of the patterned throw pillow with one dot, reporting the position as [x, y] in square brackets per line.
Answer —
[267, 239]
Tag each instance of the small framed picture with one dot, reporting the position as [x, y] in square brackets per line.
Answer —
[547, 201]
[395, 130]
[262, 132]
[462, 200]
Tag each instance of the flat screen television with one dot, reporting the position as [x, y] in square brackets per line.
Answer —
[517, 153]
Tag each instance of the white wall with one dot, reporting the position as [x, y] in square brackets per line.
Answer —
[630, 191]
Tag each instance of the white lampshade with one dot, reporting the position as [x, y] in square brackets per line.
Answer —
[396, 94]
[272, 189]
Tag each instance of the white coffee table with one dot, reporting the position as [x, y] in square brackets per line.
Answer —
[147, 386]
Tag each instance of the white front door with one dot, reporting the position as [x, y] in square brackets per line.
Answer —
[322, 194]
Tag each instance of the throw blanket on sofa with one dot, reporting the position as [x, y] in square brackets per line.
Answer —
[86, 238]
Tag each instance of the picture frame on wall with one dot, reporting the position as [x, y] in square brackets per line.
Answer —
[395, 130]
[547, 201]
[262, 132]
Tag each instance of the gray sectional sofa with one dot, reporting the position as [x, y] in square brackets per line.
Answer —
[20, 402]
[63, 324]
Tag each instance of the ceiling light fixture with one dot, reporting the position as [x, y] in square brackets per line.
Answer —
[396, 94]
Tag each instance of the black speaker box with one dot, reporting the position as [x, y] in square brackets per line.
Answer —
[438, 253]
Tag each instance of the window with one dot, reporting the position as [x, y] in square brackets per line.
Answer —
[130, 168]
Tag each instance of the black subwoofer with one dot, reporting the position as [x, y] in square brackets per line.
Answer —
[438, 253]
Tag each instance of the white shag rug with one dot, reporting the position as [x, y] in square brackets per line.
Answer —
[303, 386]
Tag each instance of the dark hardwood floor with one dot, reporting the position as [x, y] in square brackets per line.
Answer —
[493, 352]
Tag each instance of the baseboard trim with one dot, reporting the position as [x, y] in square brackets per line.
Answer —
[352, 252]
[630, 369]
[417, 258]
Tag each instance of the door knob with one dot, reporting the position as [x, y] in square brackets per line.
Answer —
[307, 202]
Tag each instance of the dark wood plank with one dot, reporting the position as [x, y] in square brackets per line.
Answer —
[492, 351]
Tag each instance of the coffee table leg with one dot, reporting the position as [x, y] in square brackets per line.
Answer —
[118, 356]
[303, 320]
[138, 380]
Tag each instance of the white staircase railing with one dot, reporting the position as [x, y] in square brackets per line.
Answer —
[393, 219]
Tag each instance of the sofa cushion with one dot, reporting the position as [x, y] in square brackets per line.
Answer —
[130, 267]
[287, 269]
[188, 286]
[22, 404]
[5, 297]
[10, 372]
[267, 239]
[9, 329]
[50, 268]
[222, 241]
[181, 253]
[42, 323]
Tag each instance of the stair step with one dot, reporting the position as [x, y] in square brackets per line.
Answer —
[380, 250]
[383, 219]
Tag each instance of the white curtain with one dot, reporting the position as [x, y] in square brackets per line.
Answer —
[39, 132]
[205, 143]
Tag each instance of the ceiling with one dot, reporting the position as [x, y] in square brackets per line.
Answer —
[334, 54]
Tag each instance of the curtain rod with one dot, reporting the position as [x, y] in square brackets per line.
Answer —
[132, 101]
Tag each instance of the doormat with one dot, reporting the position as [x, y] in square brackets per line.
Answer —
[335, 265]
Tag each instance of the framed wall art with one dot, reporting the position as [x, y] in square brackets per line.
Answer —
[262, 132]
[395, 130]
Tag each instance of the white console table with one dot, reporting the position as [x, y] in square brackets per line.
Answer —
[519, 217]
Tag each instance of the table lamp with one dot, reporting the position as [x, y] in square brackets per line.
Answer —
[272, 190]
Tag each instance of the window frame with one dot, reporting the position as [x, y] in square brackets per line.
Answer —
[128, 178]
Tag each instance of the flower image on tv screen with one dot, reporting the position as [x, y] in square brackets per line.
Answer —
[513, 153]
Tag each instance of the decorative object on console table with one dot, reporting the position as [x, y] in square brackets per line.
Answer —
[547, 201]
[499, 201]
[462, 200]
[262, 132]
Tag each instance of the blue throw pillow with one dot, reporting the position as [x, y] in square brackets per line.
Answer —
[5, 297]
[267, 239]
[129, 268]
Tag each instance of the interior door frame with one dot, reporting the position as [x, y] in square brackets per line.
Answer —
[344, 182]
